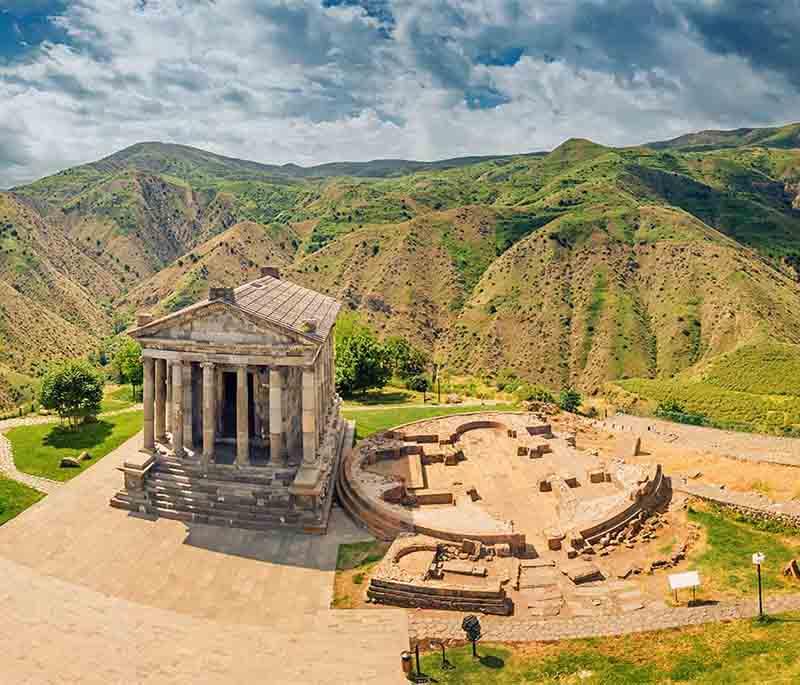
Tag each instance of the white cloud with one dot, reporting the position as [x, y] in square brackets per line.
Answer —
[280, 81]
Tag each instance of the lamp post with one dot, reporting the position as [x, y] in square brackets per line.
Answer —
[758, 559]
[472, 627]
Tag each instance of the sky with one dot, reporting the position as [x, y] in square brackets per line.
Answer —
[329, 80]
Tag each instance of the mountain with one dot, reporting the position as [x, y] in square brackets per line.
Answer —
[787, 137]
[581, 265]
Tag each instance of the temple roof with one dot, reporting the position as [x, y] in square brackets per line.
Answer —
[279, 302]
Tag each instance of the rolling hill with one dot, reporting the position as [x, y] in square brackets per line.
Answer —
[581, 265]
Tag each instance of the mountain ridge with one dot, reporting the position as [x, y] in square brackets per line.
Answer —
[581, 265]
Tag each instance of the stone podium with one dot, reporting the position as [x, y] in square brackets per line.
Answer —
[241, 417]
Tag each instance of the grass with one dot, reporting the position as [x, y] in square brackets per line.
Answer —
[372, 421]
[724, 561]
[741, 651]
[776, 414]
[386, 395]
[38, 449]
[354, 561]
[15, 498]
[116, 397]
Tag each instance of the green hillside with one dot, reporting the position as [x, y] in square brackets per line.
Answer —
[584, 265]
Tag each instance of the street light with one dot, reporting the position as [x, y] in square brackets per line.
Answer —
[758, 559]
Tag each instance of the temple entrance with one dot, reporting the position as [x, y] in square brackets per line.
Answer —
[228, 422]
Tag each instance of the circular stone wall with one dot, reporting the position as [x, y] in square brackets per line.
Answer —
[494, 477]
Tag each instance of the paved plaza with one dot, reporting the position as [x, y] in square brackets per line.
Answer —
[93, 594]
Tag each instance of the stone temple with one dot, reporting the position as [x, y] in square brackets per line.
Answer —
[241, 418]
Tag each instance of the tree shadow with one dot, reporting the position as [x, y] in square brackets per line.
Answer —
[84, 436]
[491, 661]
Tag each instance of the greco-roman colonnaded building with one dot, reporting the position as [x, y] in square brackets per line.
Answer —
[241, 417]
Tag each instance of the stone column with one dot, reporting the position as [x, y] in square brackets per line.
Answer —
[188, 400]
[275, 414]
[309, 417]
[168, 409]
[242, 427]
[209, 418]
[148, 391]
[177, 408]
[161, 399]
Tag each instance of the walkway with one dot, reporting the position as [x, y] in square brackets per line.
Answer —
[519, 629]
[93, 594]
[753, 447]
[9, 469]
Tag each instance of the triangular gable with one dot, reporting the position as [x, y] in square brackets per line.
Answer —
[219, 322]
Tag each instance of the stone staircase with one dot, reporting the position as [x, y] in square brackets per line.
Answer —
[255, 498]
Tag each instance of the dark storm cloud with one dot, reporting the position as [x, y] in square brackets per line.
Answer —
[765, 32]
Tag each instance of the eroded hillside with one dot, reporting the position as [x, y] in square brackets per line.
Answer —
[582, 265]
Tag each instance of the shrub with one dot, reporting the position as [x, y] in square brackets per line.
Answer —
[418, 383]
[569, 399]
[530, 392]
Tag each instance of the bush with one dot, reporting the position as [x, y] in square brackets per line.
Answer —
[418, 383]
[529, 392]
[73, 389]
[569, 400]
[672, 410]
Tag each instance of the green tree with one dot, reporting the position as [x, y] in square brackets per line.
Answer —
[405, 359]
[128, 360]
[569, 399]
[361, 363]
[73, 389]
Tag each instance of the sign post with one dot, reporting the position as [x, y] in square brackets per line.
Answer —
[679, 581]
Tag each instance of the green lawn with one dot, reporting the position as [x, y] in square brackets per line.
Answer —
[116, 397]
[725, 561]
[371, 421]
[386, 395]
[38, 449]
[15, 498]
[732, 653]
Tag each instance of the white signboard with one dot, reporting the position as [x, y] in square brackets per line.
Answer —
[679, 581]
[758, 558]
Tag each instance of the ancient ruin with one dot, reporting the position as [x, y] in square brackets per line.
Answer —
[492, 509]
[241, 418]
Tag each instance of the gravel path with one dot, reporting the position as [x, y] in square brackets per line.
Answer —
[753, 447]
[9, 469]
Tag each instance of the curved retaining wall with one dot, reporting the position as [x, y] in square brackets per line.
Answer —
[386, 522]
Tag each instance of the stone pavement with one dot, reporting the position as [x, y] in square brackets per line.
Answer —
[93, 594]
[520, 629]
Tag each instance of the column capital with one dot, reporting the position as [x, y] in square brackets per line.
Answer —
[207, 365]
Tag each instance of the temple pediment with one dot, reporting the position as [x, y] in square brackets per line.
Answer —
[219, 323]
